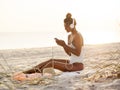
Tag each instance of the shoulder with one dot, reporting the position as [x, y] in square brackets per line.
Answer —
[78, 38]
[77, 35]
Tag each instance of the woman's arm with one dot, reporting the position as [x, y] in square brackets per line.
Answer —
[63, 44]
[78, 43]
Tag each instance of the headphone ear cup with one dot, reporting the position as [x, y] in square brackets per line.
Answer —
[71, 26]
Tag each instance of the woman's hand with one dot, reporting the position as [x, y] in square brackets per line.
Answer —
[60, 42]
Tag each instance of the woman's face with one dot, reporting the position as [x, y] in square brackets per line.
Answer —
[67, 28]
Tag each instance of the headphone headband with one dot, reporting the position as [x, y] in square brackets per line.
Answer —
[72, 25]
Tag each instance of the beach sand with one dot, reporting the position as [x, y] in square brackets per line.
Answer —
[101, 72]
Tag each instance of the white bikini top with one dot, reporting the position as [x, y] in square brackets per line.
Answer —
[74, 58]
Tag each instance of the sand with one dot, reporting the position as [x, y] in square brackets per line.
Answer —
[102, 69]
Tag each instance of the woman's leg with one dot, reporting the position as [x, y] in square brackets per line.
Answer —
[63, 66]
[77, 67]
[41, 65]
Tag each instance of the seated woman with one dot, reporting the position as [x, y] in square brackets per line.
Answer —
[74, 49]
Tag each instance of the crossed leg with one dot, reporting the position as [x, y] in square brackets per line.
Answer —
[50, 63]
[59, 64]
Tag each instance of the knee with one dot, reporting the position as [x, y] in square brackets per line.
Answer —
[50, 60]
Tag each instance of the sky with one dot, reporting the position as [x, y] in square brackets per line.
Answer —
[35, 23]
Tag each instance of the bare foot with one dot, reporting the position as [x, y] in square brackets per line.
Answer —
[19, 76]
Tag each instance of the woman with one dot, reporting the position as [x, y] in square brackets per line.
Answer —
[73, 49]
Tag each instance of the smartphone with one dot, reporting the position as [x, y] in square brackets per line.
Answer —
[55, 38]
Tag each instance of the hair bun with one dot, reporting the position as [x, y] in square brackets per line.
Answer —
[68, 20]
[69, 15]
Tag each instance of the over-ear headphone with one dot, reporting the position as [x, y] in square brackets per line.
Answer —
[72, 25]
